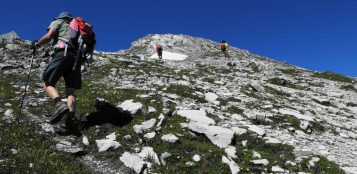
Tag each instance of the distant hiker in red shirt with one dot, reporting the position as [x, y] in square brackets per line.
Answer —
[159, 51]
[224, 46]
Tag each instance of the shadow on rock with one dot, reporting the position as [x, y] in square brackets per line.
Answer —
[106, 113]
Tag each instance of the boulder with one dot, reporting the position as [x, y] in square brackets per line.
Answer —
[222, 137]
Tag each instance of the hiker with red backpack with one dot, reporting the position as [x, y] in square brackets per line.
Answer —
[224, 46]
[159, 51]
[73, 39]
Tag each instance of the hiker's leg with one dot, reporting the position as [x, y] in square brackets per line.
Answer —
[71, 99]
[51, 91]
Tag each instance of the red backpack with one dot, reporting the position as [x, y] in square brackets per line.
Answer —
[81, 36]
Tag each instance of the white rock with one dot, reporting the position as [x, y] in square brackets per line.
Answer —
[9, 116]
[237, 117]
[277, 169]
[8, 104]
[85, 141]
[148, 153]
[190, 164]
[256, 155]
[150, 135]
[264, 162]
[303, 152]
[350, 170]
[169, 138]
[304, 125]
[196, 158]
[132, 161]
[163, 156]
[256, 129]
[144, 126]
[313, 161]
[66, 146]
[244, 143]
[131, 107]
[161, 119]
[151, 110]
[211, 97]
[231, 152]
[239, 131]
[128, 137]
[111, 136]
[222, 137]
[109, 142]
[48, 128]
[232, 165]
[270, 140]
[13, 151]
[296, 114]
[196, 115]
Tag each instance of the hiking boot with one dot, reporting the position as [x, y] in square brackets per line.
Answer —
[72, 123]
[61, 109]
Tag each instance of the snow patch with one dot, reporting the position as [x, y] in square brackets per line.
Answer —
[169, 56]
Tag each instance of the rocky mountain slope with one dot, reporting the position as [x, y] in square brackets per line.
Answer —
[204, 114]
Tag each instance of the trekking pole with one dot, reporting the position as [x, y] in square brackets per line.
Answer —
[27, 82]
[78, 53]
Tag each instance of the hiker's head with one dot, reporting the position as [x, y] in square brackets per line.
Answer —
[64, 15]
[223, 41]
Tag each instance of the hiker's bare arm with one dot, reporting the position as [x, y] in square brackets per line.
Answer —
[46, 38]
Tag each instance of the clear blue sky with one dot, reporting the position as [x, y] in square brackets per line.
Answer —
[314, 34]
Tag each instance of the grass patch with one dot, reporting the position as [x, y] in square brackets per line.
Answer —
[322, 166]
[254, 67]
[234, 110]
[2, 45]
[333, 76]
[185, 149]
[350, 104]
[183, 91]
[276, 154]
[285, 83]
[208, 79]
[349, 88]
[35, 152]
[277, 92]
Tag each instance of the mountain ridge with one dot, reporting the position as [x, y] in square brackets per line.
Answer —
[248, 113]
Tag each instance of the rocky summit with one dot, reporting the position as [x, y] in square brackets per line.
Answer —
[194, 111]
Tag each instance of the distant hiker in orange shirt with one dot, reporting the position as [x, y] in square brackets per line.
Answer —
[224, 46]
[159, 51]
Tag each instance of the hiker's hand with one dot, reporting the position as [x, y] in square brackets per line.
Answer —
[90, 58]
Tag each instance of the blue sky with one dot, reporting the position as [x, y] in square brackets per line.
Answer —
[314, 34]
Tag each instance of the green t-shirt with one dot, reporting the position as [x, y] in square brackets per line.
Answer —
[61, 27]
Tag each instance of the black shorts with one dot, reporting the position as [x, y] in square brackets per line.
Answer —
[61, 66]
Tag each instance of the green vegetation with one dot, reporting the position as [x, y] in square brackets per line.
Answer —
[2, 45]
[333, 76]
[34, 153]
[276, 154]
[277, 92]
[349, 88]
[350, 104]
[185, 149]
[184, 91]
[325, 103]
[322, 166]
[208, 79]
[285, 83]
[254, 67]
[234, 110]
[292, 72]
